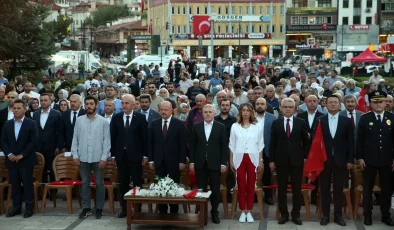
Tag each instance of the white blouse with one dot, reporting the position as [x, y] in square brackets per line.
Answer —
[250, 141]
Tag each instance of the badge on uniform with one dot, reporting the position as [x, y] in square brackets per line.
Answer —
[370, 123]
[388, 122]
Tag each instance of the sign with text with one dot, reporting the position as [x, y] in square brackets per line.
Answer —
[143, 37]
[359, 27]
[309, 27]
[238, 18]
[232, 36]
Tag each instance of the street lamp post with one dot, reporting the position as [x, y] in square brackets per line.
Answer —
[239, 40]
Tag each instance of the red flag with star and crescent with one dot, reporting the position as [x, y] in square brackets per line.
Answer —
[201, 24]
[314, 164]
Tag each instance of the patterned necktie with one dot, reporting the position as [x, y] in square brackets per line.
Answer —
[288, 128]
[165, 129]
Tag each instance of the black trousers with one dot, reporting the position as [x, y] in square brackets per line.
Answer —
[127, 170]
[385, 185]
[338, 174]
[267, 175]
[173, 173]
[295, 172]
[202, 176]
[48, 169]
[24, 175]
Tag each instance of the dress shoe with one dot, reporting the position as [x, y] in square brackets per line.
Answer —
[283, 220]
[28, 214]
[215, 219]
[297, 221]
[339, 221]
[13, 213]
[388, 221]
[269, 201]
[122, 214]
[324, 221]
[368, 220]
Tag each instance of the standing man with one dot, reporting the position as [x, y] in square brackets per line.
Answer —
[351, 112]
[195, 115]
[375, 137]
[3, 101]
[110, 94]
[219, 97]
[167, 148]
[288, 149]
[90, 149]
[265, 119]
[339, 142]
[109, 110]
[150, 114]
[48, 122]
[209, 153]
[156, 100]
[129, 139]
[18, 142]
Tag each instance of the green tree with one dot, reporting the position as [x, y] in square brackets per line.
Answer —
[60, 28]
[109, 13]
[24, 39]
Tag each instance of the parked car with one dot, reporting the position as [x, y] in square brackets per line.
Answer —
[371, 68]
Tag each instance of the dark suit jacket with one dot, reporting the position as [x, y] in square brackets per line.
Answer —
[135, 89]
[25, 144]
[293, 149]
[341, 148]
[304, 116]
[170, 150]
[135, 140]
[153, 115]
[215, 151]
[66, 129]
[48, 137]
[4, 117]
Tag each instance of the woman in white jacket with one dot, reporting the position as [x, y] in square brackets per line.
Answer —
[246, 155]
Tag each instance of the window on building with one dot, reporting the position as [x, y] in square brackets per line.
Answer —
[282, 10]
[345, 4]
[252, 29]
[190, 29]
[247, 29]
[232, 29]
[260, 10]
[368, 21]
[300, 3]
[295, 21]
[179, 29]
[304, 20]
[185, 29]
[240, 10]
[319, 20]
[226, 29]
[172, 10]
[273, 10]
[198, 10]
[281, 29]
[226, 10]
[356, 20]
[357, 4]
[260, 29]
[173, 29]
[369, 3]
[179, 10]
[232, 10]
[190, 10]
[345, 20]
[324, 3]
[273, 29]
[268, 29]
[205, 10]
[253, 10]
[219, 10]
[247, 10]
[184, 10]
[219, 30]
[328, 20]
[268, 10]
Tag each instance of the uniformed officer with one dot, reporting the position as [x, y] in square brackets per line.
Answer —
[375, 151]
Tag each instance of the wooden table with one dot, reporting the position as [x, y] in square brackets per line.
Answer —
[164, 218]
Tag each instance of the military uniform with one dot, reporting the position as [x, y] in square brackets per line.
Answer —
[375, 146]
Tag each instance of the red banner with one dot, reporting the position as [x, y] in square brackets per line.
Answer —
[201, 24]
[231, 36]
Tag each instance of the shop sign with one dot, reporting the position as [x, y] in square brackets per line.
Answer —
[309, 27]
[303, 46]
[238, 18]
[277, 47]
[232, 36]
[359, 27]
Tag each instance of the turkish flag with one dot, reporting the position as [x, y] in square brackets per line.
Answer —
[314, 164]
[142, 6]
[361, 104]
[201, 24]
[324, 26]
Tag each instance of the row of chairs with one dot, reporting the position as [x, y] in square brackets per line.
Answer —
[66, 178]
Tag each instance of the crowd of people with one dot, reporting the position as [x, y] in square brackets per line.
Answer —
[236, 120]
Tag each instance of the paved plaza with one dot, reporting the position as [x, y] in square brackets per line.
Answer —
[57, 218]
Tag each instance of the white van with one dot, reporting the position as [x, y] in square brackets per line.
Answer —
[155, 59]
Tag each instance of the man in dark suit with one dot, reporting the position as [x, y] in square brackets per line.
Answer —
[375, 138]
[209, 153]
[350, 103]
[310, 117]
[150, 114]
[339, 142]
[288, 149]
[7, 114]
[18, 140]
[129, 140]
[48, 123]
[67, 122]
[167, 148]
[139, 83]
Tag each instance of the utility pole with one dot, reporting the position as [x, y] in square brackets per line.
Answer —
[239, 40]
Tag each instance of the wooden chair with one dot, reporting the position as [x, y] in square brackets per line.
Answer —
[4, 184]
[66, 177]
[185, 183]
[357, 186]
[346, 193]
[37, 176]
[111, 173]
[223, 192]
[305, 195]
[259, 193]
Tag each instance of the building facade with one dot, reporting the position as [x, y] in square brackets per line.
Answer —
[386, 18]
[241, 28]
[311, 24]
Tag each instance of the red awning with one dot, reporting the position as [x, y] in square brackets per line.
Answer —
[368, 56]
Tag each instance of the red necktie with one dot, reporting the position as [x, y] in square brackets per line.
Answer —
[288, 128]
[352, 119]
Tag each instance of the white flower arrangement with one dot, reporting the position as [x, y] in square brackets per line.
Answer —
[165, 187]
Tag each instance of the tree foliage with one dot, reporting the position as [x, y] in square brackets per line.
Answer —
[24, 40]
[60, 28]
[109, 13]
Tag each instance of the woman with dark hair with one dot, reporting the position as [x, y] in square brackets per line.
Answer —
[34, 105]
[253, 80]
[63, 105]
[246, 157]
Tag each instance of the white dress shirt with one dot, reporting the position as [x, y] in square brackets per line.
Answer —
[333, 123]
[168, 122]
[311, 117]
[44, 117]
[10, 114]
[125, 118]
[208, 129]
[290, 122]
[381, 116]
[109, 118]
[146, 113]
[72, 115]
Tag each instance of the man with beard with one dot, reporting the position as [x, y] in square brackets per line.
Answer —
[90, 150]
[171, 91]
[110, 95]
[155, 99]
[265, 119]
